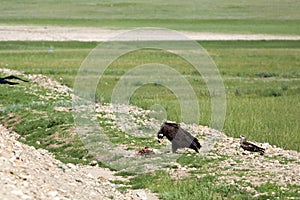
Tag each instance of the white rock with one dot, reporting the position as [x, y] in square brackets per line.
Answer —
[53, 193]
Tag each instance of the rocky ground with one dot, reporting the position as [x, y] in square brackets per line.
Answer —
[29, 173]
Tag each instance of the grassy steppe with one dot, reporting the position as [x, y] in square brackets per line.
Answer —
[257, 16]
[261, 80]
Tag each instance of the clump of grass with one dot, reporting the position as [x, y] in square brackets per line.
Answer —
[125, 174]
[266, 74]
[196, 161]
[272, 191]
[185, 188]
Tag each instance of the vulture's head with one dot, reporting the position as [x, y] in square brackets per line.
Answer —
[243, 139]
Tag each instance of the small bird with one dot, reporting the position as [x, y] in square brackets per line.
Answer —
[250, 147]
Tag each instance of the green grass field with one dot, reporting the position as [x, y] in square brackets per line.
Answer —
[276, 17]
[261, 79]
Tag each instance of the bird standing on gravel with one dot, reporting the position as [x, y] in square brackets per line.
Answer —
[250, 147]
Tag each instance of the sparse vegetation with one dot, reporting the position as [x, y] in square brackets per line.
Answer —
[40, 125]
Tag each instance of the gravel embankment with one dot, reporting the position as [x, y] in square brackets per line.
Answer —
[29, 173]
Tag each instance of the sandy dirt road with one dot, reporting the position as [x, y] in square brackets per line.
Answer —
[58, 33]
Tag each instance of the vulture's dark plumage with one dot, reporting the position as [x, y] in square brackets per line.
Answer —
[250, 147]
[5, 80]
[179, 138]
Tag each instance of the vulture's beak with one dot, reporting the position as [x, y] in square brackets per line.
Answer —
[159, 137]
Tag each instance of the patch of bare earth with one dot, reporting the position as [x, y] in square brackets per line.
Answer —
[58, 33]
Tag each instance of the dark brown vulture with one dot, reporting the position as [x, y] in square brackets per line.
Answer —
[178, 137]
[5, 80]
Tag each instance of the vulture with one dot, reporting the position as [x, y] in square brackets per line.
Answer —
[178, 137]
[5, 80]
[250, 147]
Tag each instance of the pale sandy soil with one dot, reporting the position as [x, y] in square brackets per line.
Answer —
[58, 33]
